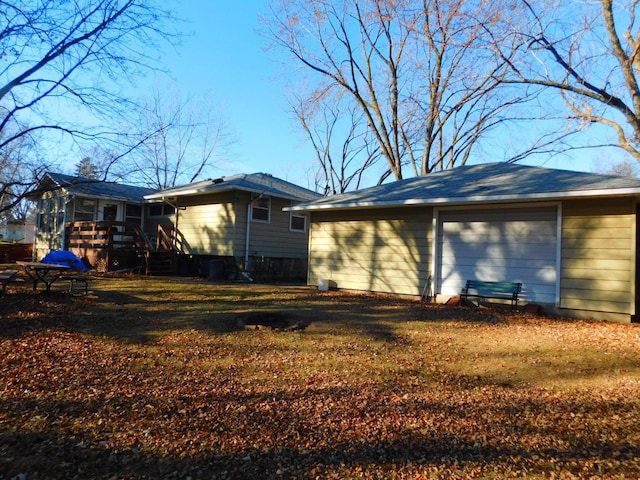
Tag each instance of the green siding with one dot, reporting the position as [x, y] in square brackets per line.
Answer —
[217, 225]
[598, 256]
[275, 239]
[207, 228]
[384, 250]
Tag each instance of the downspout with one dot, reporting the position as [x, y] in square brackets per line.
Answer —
[248, 232]
[174, 234]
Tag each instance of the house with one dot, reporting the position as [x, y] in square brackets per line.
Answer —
[569, 237]
[84, 215]
[239, 219]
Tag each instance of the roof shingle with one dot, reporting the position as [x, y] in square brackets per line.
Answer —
[99, 189]
[480, 184]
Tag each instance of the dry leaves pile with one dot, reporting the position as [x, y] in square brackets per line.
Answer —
[372, 388]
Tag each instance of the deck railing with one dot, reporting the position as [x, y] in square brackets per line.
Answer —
[109, 245]
[106, 234]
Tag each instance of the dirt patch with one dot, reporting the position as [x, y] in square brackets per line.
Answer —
[284, 321]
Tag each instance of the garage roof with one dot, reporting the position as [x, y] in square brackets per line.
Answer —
[485, 183]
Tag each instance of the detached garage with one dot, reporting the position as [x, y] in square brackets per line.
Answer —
[568, 237]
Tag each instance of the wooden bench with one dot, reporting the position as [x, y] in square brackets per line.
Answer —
[492, 290]
[6, 277]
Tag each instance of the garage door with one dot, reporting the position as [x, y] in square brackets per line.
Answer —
[514, 245]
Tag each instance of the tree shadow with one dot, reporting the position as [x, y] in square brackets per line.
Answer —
[138, 309]
[273, 435]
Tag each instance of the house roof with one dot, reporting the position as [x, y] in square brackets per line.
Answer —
[485, 183]
[98, 189]
[259, 183]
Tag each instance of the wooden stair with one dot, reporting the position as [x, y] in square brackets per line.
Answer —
[159, 262]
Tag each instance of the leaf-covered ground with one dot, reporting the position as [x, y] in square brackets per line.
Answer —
[153, 378]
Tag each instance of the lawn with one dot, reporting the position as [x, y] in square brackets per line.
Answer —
[155, 378]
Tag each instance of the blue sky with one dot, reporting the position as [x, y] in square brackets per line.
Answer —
[225, 55]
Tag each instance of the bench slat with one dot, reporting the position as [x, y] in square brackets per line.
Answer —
[493, 290]
[7, 274]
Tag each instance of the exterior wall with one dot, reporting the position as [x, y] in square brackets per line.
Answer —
[388, 250]
[598, 256]
[384, 250]
[217, 225]
[273, 239]
[207, 225]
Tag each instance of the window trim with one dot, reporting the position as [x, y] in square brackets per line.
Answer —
[88, 213]
[128, 217]
[298, 215]
[267, 208]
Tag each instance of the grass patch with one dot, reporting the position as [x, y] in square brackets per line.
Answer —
[155, 378]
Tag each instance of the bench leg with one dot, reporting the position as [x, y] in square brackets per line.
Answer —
[74, 281]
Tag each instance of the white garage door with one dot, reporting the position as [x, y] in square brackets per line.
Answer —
[514, 245]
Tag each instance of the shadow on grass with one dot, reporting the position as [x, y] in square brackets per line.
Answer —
[139, 309]
[54, 445]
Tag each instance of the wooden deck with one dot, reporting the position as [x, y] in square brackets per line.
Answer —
[109, 246]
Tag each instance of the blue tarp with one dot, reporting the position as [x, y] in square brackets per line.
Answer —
[65, 257]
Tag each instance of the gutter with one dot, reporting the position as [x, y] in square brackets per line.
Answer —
[474, 199]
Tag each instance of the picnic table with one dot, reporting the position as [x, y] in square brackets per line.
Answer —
[6, 277]
[46, 273]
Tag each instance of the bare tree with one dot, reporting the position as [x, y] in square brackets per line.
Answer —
[18, 175]
[425, 75]
[182, 139]
[63, 67]
[625, 167]
[344, 148]
[589, 53]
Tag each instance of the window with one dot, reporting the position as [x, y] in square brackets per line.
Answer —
[133, 214]
[45, 216]
[83, 210]
[260, 209]
[298, 223]
[160, 210]
[110, 212]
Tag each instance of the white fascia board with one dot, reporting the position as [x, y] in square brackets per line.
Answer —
[183, 193]
[194, 192]
[100, 197]
[620, 192]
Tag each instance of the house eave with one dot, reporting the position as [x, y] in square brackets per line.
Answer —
[200, 191]
[477, 199]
